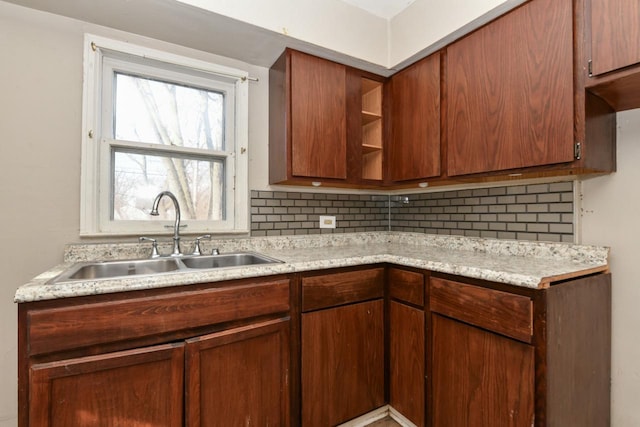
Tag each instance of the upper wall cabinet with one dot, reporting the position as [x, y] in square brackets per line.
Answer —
[612, 44]
[414, 146]
[325, 122]
[615, 34]
[308, 130]
[509, 89]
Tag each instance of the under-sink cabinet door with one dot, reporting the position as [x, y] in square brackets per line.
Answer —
[134, 388]
[239, 377]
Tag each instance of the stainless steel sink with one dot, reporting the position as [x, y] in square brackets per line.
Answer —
[116, 269]
[110, 269]
[240, 259]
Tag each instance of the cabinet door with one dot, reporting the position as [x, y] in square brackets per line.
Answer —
[414, 149]
[510, 91]
[406, 354]
[239, 377]
[479, 378]
[136, 388]
[342, 363]
[615, 34]
[318, 117]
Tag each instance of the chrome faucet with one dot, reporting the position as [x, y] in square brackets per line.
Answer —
[176, 226]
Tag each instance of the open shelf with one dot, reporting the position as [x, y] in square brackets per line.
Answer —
[372, 148]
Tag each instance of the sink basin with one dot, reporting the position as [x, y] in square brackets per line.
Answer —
[110, 269]
[241, 259]
[115, 269]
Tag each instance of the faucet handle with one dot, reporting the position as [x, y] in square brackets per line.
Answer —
[196, 249]
[154, 246]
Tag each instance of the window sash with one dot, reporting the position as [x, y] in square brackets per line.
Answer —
[98, 146]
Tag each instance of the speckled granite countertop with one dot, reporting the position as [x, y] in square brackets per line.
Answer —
[520, 263]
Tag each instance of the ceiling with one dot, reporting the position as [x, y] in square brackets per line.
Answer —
[383, 8]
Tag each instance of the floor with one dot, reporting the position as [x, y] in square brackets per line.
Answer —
[385, 422]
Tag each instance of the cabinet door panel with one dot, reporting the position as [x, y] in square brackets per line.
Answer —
[414, 150]
[615, 34]
[406, 354]
[510, 91]
[239, 377]
[342, 363]
[480, 379]
[135, 388]
[318, 117]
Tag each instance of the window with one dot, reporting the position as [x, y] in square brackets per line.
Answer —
[155, 121]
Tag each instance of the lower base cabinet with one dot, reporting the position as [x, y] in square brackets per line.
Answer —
[142, 387]
[480, 378]
[342, 363]
[239, 377]
[201, 355]
[342, 346]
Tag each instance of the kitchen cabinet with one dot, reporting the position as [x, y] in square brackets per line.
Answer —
[139, 387]
[480, 378]
[407, 380]
[414, 146]
[326, 122]
[239, 376]
[342, 346]
[505, 356]
[509, 89]
[615, 34]
[308, 129]
[155, 357]
[612, 57]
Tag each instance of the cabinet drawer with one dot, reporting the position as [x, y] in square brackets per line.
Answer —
[55, 329]
[406, 286]
[500, 312]
[342, 288]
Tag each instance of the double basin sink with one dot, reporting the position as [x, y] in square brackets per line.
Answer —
[116, 269]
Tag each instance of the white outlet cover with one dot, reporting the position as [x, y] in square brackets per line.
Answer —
[327, 221]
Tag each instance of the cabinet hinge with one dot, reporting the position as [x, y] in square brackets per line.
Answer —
[577, 150]
[590, 68]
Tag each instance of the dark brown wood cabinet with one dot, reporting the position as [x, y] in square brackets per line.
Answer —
[509, 89]
[480, 378]
[615, 34]
[342, 347]
[325, 122]
[612, 57]
[203, 355]
[142, 387]
[407, 381]
[414, 146]
[239, 376]
[508, 356]
[308, 129]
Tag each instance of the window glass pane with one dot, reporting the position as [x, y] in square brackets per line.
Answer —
[154, 111]
[138, 178]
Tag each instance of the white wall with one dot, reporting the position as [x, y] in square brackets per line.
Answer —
[40, 123]
[611, 216]
[332, 24]
[426, 22]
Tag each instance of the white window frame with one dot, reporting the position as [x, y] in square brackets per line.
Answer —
[102, 57]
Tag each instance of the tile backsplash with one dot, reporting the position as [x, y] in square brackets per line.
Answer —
[280, 213]
[525, 212]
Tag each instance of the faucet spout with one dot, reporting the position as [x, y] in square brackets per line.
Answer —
[176, 226]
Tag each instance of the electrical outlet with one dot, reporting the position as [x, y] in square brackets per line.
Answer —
[327, 222]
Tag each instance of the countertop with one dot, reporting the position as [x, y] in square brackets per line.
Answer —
[521, 263]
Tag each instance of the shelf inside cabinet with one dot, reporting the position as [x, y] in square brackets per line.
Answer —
[366, 148]
[372, 147]
[369, 117]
